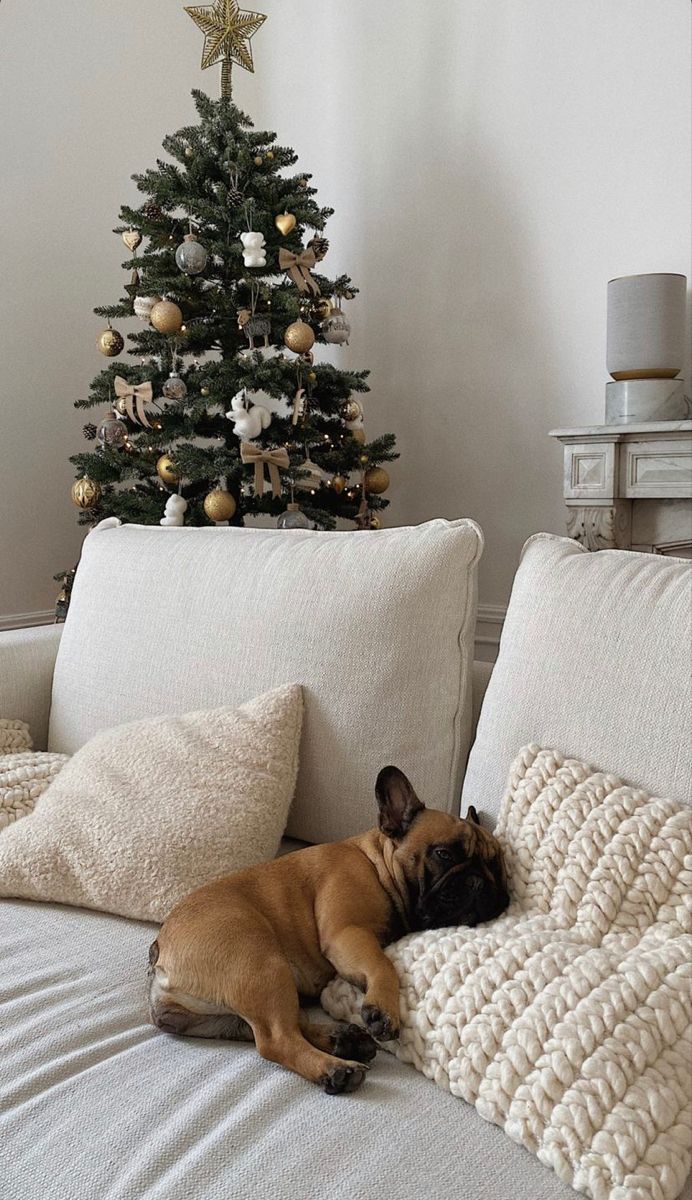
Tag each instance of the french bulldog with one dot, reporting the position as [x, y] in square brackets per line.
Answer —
[238, 956]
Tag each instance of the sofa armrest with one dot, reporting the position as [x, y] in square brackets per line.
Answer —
[27, 659]
[479, 682]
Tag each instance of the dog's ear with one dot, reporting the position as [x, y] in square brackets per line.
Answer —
[397, 802]
[472, 816]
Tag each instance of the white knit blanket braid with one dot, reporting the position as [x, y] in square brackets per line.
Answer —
[24, 777]
[568, 1021]
[14, 736]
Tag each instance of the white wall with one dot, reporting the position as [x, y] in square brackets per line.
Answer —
[492, 163]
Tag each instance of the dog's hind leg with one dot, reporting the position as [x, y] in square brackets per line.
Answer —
[177, 1012]
[270, 1005]
[339, 1038]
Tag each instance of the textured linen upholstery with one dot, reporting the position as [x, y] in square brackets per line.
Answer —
[27, 659]
[595, 658]
[378, 628]
[95, 1103]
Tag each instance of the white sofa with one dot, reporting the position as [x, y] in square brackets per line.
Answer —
[97, 1105]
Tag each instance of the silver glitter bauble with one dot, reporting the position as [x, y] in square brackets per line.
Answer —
[174, 388]
[336, 329]
[111, 432]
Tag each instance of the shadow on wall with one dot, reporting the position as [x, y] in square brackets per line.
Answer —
[453, 284]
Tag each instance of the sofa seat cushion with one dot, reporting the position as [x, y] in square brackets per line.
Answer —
[100, 1104]
[594, 658]
[378, 627]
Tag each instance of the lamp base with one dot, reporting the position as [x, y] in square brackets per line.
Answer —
[635, 400]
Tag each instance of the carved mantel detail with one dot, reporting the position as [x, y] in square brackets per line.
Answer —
[607, 528]
[629, 487]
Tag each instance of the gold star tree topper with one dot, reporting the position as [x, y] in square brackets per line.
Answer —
[227, 32]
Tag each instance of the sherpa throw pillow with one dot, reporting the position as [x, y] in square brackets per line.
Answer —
[146, 812]
[568, 1021]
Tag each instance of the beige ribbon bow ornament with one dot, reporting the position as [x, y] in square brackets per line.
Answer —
[134, 397]
[276, 460]
[298, 267]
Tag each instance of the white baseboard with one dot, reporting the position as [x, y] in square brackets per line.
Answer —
[25, 620]
[488, 629]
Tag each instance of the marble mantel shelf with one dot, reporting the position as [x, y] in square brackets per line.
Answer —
[629, 486]
[615, 433]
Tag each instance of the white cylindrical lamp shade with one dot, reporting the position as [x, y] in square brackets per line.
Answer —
[646, 326]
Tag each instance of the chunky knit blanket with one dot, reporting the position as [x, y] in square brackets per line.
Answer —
[24, 777]
[568, 1021]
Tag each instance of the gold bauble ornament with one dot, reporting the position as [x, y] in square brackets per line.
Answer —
[219, 505]
[358, 435]
[165, 469]
[270, 154]
[204, 391]
[111, 342]
[322, 308]
[312, 376]
[132, 239]
[376, 480]
[166, 317]
[299, 337]
[85, 492]
[285, 222]
[352, 410]
[189, 152]
[364, 459]
[338, 483]
[258, 160]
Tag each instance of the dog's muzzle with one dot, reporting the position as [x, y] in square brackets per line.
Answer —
[467, 894]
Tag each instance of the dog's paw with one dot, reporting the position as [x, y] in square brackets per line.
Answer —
[352, 1041]
[378, 1024]
[343, 1079]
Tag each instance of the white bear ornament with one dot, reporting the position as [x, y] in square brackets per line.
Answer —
[253, 249]
[176, 507]
[248, 422]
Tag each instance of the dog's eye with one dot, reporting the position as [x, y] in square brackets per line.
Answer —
[443, 854]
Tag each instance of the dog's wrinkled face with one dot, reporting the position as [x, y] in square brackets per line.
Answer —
[453, 867]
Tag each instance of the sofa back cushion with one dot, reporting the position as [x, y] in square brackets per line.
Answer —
[377, 627]
[595, 657]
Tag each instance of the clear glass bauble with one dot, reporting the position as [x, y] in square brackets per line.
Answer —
[293, 518]
[111, 432]
[174, 388]
[191, 256]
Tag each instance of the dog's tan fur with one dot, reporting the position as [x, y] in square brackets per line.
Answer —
[234, 958]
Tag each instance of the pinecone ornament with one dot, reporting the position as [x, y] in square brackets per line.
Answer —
[152, 212]
[319, 247]
[89, 431]
[235, 197]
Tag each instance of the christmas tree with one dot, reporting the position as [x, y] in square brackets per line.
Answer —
[225, 413]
